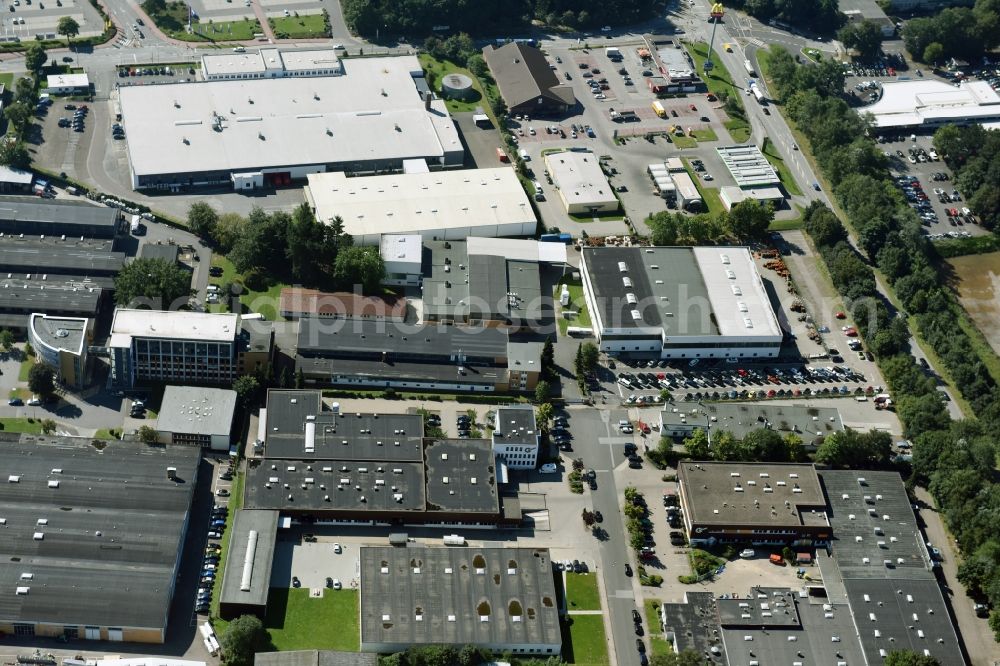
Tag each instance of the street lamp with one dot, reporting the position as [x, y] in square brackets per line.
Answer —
[716, 14]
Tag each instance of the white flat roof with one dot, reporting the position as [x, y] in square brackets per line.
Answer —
[306, 59]
[410, 202]
[402, 248]
[515, 249]
[723, 280]
[177, 324]
[579, 177]
[374, 112]
[913, 103]
[683, 183]
[68, 81]
[748, 166]
[216, 64]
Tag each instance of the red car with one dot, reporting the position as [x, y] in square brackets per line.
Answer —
[953, 212]
[840, 315]
[693, 107]
[851, 332]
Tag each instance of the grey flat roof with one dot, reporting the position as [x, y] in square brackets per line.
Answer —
[315, 658]
[516, 425]
[33, 209]
[880, 505]
[165, 251]
[59, 294]
[40, 256]
[695, 624]
[418, 596]
[807, 421]
[335, 485]
[461, 476]
[678, 273]
[773, 607]
[343, 436]
[196, 410]
[748, 166]
[710, 493]
[335, 368]
[125, 576]
[69, 333]
[264, 524]
[367, 338]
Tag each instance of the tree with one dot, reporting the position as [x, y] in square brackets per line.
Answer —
[543, 414]
[6, 340]
[696, 445]
[933, 53]
[147, 434]
[663, 227]
[543, 392]
[589, 355]
[15, 155]
[245, 636]
[749, 219]
[477, 65]
[68, 28]
[202, 219]
[19, 115]
[48, 426]
[34, 58]
[995, 624]
[685, 658]
[908, 658]
[359, 266]
[588, 517]
[247, 390]
[41, 380]
[152, 283]
[865, 37]
[263, 239]
[548, 360]
[850, 448]
[228, 228]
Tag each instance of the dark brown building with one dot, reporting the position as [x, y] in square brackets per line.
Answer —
[527, 83]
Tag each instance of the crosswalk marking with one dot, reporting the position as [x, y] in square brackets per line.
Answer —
[757, 42]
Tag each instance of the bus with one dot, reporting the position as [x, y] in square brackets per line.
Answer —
[749, 67]
[579, 331]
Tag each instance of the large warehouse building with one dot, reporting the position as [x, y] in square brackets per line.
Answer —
[581, 183]
[929, 103]
[501, 599]
[679, 302]
[440, 205]
[253, 132]
[92, 536]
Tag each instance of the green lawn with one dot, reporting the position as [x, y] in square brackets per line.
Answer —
[436, 70]
[7, 79]
[105, 433]
[707, 134]
[683, 142]
[576, 302]
[26, 365]
[581, 592]
[305, 26]
[718, 80]
[738, 130]
[264, 302]
[788, 225]
[710, 195]
[583, 640]
[31, 426]
[783, 172]
[657, 642]
[298, 622]
[223, 31]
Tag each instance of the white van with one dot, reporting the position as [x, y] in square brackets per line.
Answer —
[524, 155]
[239, 49]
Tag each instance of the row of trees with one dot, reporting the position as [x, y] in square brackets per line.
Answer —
[959, 32]
[394, 17]
[820, 16]
[747, 221]
[293, 247]
[974, 155]
[955, 460]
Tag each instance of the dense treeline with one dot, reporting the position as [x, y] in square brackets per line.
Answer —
[406, 17]
[955, 460]
[955, 32]
[974, 155]
[746, 221]
[821, 16]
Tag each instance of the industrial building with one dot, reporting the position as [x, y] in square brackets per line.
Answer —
[196, 416]
[811, 424]
[930, 103]
[247, 578]
[185, 347]
[93, 536]
[297, 302]
[501, 599]
[270, 63]
[252, 133]
[15, 181]
[403, 256]
[368, 468]
[581, 183]
[755, 503]
[516, 437]
[679, 302]
[61, 343]
[373, 354]
[48, 217]
[67, 84]
[526, 82]
[927, 5]
[438, 205]
[673, 62]
[748, 167]
[489, 282]
[315, 658]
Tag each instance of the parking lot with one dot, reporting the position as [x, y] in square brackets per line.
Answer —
[148, 75]
[24, 19]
